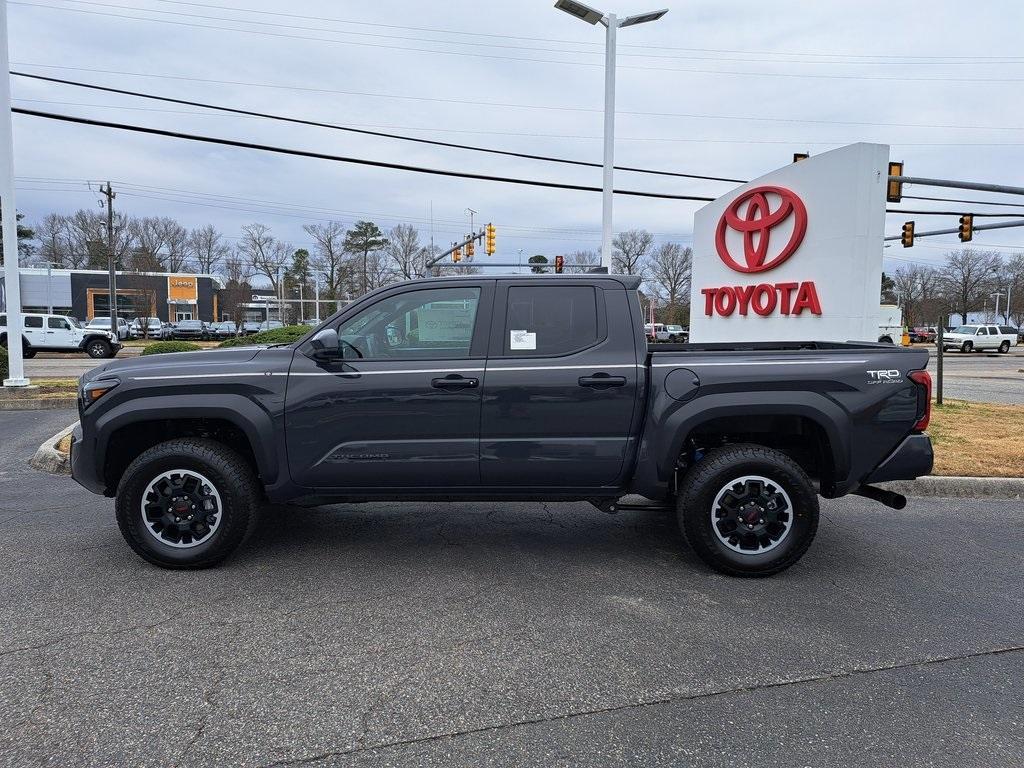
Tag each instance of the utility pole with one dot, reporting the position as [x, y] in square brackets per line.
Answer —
[108, 193]
[12, 275]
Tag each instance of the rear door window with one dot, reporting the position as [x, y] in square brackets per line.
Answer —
[33, 322]
[551, 320]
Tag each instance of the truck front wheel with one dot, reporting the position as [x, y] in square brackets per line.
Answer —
[187, 503]
[748, 510]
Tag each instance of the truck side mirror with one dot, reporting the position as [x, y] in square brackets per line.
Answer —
[325, 345]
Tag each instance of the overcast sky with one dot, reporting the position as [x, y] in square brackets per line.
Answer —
[739, 87]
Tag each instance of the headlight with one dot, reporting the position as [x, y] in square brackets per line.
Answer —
[96, 389]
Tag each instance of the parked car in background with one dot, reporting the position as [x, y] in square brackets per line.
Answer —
[674, 333]
[193, 330]
[269, 325]
[250, 327]
[968, 338]
[103, 323]
[225, 329]
[312, 322]
[57, 333]
[150, 328]
[923, 333]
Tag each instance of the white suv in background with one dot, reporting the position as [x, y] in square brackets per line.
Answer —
[103, 323]
[968, 338]
[57, 333]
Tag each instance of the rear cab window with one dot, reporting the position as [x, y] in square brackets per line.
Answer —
[552, 320]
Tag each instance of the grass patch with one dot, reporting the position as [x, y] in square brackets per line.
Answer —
[977, 439]
[42, 389]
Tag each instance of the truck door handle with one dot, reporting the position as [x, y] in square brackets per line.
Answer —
[454, 381]
[602, 381]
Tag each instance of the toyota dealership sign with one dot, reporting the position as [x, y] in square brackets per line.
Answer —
[794, 255]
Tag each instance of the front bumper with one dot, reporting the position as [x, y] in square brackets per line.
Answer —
[83, 463]
[912, 458]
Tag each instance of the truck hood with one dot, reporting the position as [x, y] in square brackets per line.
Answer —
[175, 363]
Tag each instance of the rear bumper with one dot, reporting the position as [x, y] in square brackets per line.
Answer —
[911, 459]
[83, 463]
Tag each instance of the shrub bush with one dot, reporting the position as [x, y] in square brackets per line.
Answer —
[165, 347]
[285, 335]
[4, 370]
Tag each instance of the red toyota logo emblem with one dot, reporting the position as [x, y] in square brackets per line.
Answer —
[756, 223]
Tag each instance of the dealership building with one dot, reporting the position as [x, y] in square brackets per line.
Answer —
[85, 294]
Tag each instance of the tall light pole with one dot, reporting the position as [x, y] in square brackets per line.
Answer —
[999, 295]
[612, 24]
[12, 276]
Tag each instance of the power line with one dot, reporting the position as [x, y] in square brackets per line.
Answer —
[546, 107]
[461, 53]
[488, 44]
[574, 42]
[954, 213]
[343, 159]
[363, 131]
[959, 200]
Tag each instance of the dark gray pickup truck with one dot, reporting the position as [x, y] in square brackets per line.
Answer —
[516, 387]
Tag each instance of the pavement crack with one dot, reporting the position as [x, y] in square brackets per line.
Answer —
[208, 707]
[86, 633]
[658, 701]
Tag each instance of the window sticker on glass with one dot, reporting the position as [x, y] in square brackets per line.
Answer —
[522, 340]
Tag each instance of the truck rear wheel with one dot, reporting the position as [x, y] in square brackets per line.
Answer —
[748, 510]
[187, 503]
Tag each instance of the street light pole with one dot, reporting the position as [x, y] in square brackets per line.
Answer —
[607, 184]
[612, 25]
[12, 276]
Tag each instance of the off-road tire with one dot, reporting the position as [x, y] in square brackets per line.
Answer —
[234, 480]
[967, 347]
[98, 349]
[703, 482]
[1004, 347]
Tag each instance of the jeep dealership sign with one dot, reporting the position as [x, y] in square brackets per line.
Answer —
[794, 255]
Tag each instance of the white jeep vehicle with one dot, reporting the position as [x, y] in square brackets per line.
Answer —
[57, 333]
[968, 338]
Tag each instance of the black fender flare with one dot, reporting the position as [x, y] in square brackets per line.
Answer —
[817, 408]
[254, 422]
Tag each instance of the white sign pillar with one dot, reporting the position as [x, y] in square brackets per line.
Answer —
[795, 255]
[12, 278]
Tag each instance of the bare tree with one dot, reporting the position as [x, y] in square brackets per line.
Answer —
[406, 254]
[968, 277]
[1013, 279]
[208, 248]
[237, 287]
[329, 257]
[56, 242]
[629, 250]
[88, 234]
[669, 272]
[162, 240]
[581, 261]
[264, 252]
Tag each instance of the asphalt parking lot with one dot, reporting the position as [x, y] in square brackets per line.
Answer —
[504, 635]
[990, 378]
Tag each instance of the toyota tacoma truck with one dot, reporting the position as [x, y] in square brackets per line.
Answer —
[527, 388]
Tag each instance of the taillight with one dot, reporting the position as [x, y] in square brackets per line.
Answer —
[923, 380]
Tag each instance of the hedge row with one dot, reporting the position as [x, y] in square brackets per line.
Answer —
[285, 335]
[165, 347]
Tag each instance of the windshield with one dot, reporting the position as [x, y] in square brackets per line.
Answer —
[969, 329]
[100, 322]
[74, 322]
[190, 324]
[673, 328]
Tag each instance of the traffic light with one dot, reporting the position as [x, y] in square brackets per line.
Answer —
[490, 239]
[456, 255]
[966, 227]
[908, 234]
[559, 264]
[470, 249]
[894, 189]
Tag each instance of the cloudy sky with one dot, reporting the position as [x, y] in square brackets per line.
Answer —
[722, 89]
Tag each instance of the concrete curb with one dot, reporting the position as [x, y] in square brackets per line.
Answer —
[37, 403]
[48, 459]
[960, 487]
